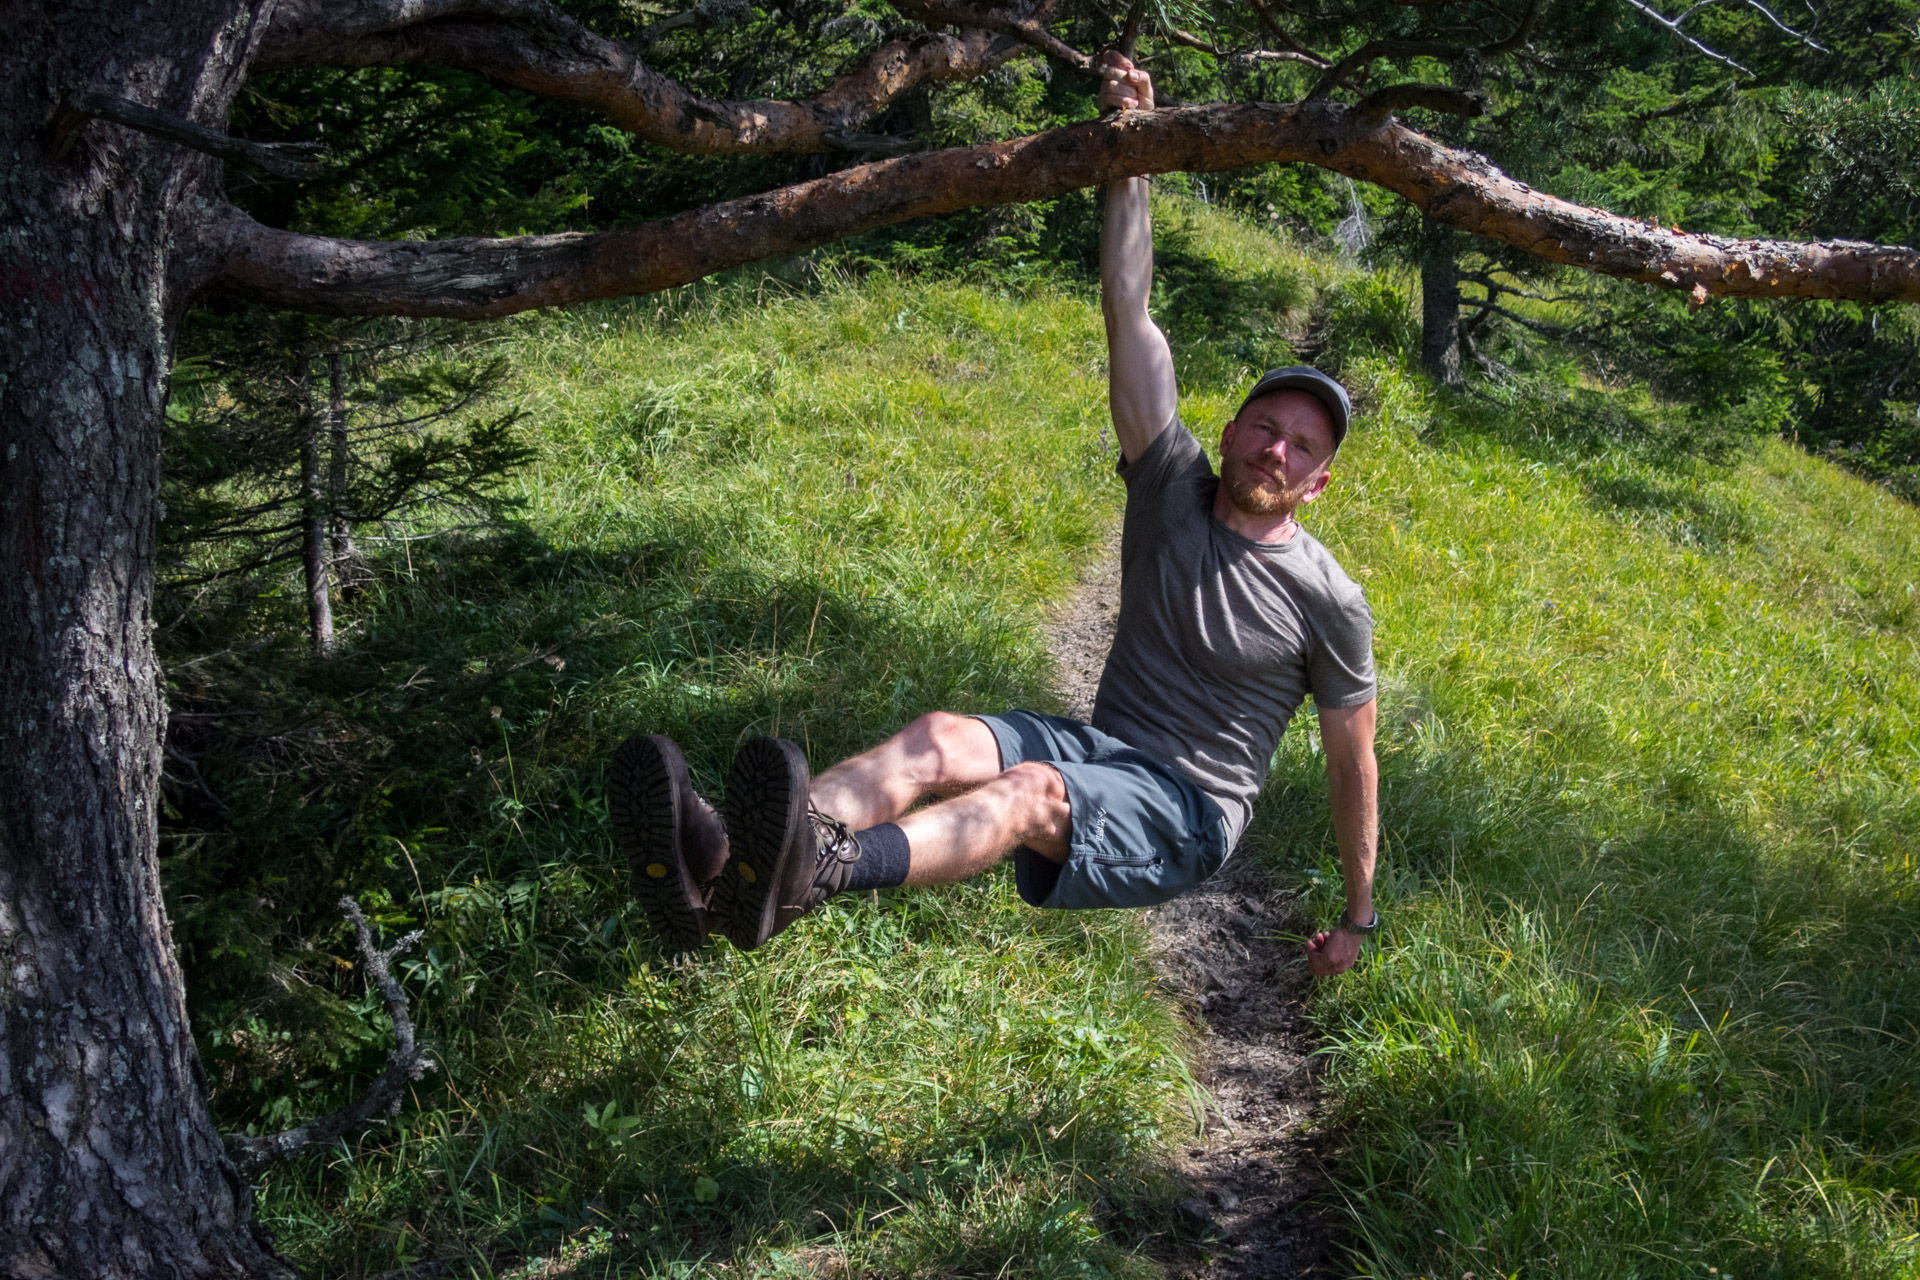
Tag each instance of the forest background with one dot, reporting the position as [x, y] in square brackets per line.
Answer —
[512, 523]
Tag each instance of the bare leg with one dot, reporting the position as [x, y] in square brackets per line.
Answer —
[958, 838]
[938, 754]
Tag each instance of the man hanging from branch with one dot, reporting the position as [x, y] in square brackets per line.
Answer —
[1230, 615]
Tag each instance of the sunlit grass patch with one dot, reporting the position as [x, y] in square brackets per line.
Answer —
[1648, 1002]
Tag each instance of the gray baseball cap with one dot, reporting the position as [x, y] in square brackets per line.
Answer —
[1301, 377]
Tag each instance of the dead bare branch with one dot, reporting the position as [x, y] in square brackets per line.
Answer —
[1496, 372]
[1280, 35]
[1494, 308]
[1179, 35]
[286, 160]
[1764, 12]
[407, 1063]
[1341, 71]
[1673, 25]
[475, 278]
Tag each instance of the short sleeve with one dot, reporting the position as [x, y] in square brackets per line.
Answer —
[1172, 454]
[1340, 665]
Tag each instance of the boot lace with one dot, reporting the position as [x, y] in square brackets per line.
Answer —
[833, 838]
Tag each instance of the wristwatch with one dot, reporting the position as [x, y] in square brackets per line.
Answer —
[1363, 930]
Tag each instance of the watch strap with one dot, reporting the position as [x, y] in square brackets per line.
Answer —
[1363, 930]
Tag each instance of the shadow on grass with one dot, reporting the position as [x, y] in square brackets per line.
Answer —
[599, 1093]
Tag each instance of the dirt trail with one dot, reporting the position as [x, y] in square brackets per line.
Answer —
[1254, 1209]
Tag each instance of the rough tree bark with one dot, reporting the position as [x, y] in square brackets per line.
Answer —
[1439, 302]
[110, 1165]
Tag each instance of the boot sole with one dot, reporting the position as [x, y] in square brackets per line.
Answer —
[644, 786]
[766, 810]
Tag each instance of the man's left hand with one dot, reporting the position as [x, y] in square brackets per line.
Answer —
[1332, 951]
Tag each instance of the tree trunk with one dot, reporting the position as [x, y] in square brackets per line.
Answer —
[313, 514]
[1440, 302]
[110, 1165]
[344, 555]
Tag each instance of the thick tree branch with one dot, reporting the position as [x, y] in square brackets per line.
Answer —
[1028, 23]
[407, 1063]
[544, 51]
[1338, 73]
[477, 278]
[305, 32]
[1382, 103]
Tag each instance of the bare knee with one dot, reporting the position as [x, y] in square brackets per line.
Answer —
[1039, 797]
[948, 750]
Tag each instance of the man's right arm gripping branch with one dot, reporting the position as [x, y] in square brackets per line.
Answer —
[1142, 391]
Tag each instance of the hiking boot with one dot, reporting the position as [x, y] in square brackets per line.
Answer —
[674, 841]
[786, 856]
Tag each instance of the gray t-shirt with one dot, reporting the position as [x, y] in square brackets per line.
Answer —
[1221, 637]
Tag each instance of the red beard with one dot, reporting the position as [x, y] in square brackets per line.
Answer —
[1255, 495]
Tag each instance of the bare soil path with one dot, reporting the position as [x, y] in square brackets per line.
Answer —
[1255, 1207]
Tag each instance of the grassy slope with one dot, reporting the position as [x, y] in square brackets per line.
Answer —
[1650, 1001]
[1649, 995]
[818, 517]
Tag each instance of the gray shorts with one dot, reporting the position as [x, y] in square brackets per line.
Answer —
[1142, 832]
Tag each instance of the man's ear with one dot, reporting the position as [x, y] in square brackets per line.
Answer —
[1319, 486]
[1226, 433]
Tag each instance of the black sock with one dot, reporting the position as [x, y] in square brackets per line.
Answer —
[883, 858]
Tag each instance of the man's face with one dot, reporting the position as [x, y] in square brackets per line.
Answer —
[1277, 454]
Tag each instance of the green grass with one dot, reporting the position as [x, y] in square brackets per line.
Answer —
[1649, 997]
[1649, 1000]
[816, 516]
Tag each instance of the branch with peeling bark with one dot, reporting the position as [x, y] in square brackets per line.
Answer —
[479, 278]
[407, 1063]
[531, 45]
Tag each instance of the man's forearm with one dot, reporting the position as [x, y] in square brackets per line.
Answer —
[1142, 392]
[1353, 788]
[1126, 252]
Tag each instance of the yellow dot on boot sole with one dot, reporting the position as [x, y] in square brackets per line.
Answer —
[746, 873]
[657, 870]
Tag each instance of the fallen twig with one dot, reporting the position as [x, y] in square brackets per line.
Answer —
[407, 1063]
